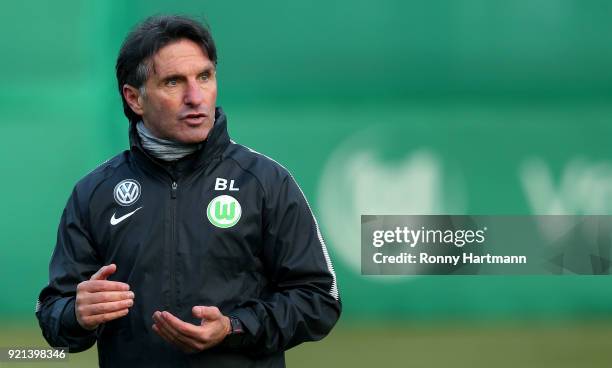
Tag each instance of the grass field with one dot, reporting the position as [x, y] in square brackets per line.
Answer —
[498, 345]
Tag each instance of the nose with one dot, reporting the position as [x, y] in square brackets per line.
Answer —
[193, 94]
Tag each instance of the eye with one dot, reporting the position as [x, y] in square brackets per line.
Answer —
[205, 76]
[171, 82]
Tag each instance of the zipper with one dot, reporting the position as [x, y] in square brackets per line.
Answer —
[173, 191]
[173, 247]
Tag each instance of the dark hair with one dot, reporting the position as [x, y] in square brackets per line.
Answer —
[146, 40]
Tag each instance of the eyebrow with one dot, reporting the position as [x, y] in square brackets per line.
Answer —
[209, 68]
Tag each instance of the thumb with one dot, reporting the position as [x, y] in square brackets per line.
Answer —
[208, 313]
[104, 272]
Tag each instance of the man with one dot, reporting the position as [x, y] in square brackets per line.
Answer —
[188, 249]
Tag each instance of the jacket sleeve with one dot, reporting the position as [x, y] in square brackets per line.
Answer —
[73, 260]
[301, 302]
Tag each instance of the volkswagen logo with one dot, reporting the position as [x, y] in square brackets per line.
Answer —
[127, 192]
[224, 211]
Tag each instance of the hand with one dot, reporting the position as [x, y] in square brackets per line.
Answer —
[99, 300]
[191, 338]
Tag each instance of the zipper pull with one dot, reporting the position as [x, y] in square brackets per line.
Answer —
[173, 192]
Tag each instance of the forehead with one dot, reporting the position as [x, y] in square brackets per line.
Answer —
[180, 57]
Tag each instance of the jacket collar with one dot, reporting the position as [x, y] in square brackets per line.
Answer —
[214, 145]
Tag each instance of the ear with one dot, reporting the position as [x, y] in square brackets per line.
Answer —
[133, 98]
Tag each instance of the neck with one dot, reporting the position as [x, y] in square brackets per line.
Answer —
[163, 149]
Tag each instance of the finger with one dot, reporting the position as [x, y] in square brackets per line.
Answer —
[184, 328]
[104, 285]
[204, 312]
[105, 296]
[164, 335]
[165, 327]
[103, 308]
[169, 338]
[103, 318]
[190, 339]
[171, 334]
[104, 272]
[195, 311]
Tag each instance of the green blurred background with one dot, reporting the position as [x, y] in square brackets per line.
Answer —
[387, 107]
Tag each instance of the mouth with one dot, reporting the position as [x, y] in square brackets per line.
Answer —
[194, 119]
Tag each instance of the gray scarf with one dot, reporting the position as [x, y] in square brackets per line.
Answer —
[163, 149]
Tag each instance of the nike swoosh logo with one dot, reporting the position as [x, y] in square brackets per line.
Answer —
[114, 221]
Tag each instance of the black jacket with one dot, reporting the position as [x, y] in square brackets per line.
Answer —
[264, 261]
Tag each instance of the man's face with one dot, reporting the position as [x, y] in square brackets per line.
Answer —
[181, 92]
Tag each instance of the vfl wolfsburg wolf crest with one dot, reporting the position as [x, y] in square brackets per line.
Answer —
[224, 211]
